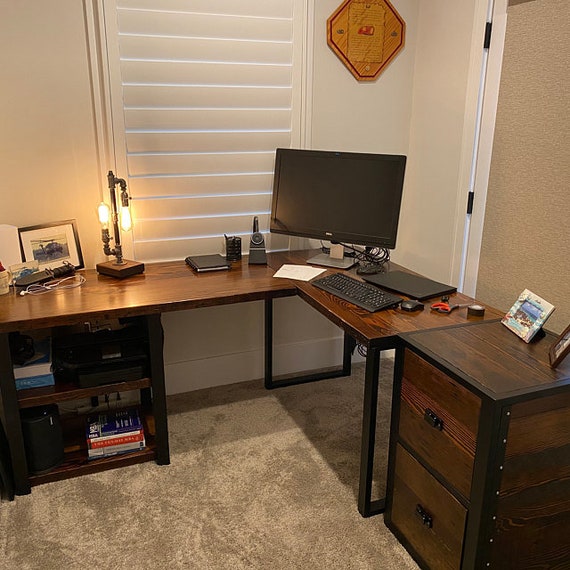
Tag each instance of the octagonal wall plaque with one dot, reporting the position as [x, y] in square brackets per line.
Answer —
[366, 36]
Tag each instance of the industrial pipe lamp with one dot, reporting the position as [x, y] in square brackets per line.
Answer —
[119, 211]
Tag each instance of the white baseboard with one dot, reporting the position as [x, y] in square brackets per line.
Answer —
[238, 367]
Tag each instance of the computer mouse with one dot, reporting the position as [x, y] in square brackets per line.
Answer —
[411, 305]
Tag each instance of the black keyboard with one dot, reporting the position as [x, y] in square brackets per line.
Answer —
[363, 294]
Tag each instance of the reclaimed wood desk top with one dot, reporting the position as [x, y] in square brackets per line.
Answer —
[163, 287]
[173, 286]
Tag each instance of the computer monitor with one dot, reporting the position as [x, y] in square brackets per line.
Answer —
[341, 197]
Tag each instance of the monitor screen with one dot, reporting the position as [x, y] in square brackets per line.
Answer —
[344, 197]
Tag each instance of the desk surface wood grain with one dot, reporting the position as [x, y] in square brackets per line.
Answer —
[163, 287]
[377, 329]
[173, 286]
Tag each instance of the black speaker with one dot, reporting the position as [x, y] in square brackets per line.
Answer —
[43, 438]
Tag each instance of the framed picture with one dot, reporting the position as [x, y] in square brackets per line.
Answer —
[560, 349]
[527, 316]
[51, 244]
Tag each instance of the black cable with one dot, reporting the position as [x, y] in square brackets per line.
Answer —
[375, 255]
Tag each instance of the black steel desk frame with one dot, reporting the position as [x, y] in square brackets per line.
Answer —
[366, 506]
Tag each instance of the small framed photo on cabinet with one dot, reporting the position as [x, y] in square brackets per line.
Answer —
[527, 316]
[560, 349]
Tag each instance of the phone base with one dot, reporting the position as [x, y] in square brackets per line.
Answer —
[257, 257]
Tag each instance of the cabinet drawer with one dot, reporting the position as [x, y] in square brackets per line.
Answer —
[439, 419]
[426, 514]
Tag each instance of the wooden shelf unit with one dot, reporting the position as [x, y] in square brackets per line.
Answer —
[152, 409]
[76, 462]
[32, 397]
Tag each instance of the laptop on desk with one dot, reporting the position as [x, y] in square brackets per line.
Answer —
[413, 286]
[201, 263]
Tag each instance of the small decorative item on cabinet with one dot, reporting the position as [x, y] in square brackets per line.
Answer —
[528, 315]
[560, 348]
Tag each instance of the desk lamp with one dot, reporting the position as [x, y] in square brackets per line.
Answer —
[119, 268]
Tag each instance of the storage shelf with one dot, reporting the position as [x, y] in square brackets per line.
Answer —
[76, 463]
[31, 397]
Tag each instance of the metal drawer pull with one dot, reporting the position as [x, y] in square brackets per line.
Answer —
[431, 418]
[427, 519]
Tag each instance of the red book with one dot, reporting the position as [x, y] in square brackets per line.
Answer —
[99, 442]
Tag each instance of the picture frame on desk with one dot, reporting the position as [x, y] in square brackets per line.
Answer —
[528, 315]
[560, 348]
[51, 244]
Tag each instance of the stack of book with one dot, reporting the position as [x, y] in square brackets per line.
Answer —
[113, 433]
[37, 371]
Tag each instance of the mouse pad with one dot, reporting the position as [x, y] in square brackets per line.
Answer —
[414, 286]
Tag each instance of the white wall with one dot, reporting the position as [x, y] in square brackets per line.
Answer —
[416, 107]
[362, 116]
[449, 50]
[47, 144]
[422, 105]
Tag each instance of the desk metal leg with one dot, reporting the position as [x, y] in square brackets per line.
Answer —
[366, 506]
[349, 345]
[10, 412]
[156, 341]
[268, 347]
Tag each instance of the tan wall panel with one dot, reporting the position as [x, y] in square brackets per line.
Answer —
[527, 224]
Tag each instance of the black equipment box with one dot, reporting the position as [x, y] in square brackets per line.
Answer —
[102, 357]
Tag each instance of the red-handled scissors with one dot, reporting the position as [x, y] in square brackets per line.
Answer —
[443, 307]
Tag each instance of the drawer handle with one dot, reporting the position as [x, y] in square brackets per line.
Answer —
[426, 518]
[431, 418]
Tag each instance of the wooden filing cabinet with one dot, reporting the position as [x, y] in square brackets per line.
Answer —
[479, 463]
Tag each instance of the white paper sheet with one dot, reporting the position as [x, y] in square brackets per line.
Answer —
[9, 245]
[299, 272]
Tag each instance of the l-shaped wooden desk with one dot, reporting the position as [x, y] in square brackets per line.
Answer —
[173, 286]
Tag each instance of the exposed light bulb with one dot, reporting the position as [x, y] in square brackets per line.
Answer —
[104, 214]
[126, 221]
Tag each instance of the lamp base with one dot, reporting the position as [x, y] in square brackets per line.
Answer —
[127, 269]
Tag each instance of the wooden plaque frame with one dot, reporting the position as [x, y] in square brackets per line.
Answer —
[366, 36]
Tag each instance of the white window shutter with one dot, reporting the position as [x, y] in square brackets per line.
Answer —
[202, 92]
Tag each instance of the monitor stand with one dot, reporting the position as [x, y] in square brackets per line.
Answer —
[328, 261]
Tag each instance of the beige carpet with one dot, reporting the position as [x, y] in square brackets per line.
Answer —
[257, 479]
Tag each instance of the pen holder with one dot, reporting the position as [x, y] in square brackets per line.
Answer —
[233, 248]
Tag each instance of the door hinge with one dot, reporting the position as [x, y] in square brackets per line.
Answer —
[470, 199]
[487, 40]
